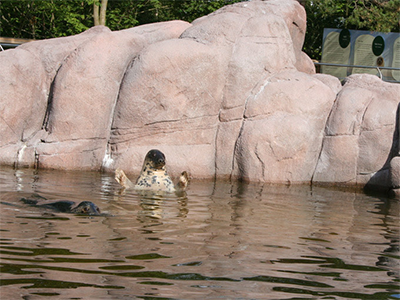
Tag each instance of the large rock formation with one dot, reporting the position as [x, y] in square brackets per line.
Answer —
[360, 137]
[230, 95]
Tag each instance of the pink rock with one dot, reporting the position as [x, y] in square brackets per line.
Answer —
[178, 110]
[161, 31]
[26, 75]
[23, 102]
[230, 95]
[20, 83]
[331, 81]
[82, 100]
[89, 69]
[282, 132]
[395, 172]
[52, 52]
[360, 133]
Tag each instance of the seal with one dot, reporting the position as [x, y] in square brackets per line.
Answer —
[65, 206]
[154, 176]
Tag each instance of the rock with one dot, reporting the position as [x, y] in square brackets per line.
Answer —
[72, 109]
[178, 110]
[26, 75]
[182, 106]
[84, 95]
[23, 99]
[359, 133]
[229, 96]
[395, 172]
[52, 52]
[282, 132]
[161, 31]
[331, 81]
[20, 80]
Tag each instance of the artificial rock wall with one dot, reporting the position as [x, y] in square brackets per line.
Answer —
[230, 95]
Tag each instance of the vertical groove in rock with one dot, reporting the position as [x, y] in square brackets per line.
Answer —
[108, 152]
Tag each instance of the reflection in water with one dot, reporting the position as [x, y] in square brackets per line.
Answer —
[221, 240]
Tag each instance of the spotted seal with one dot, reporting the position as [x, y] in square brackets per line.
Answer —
[65, 206]
[154, 176]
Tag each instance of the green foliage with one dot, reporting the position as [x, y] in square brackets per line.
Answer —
[383, 16]
[39, 19]
[372, 15]
[190, 10]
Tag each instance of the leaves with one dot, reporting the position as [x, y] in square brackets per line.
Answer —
[40, 19]
[371, 15]
[383, 16]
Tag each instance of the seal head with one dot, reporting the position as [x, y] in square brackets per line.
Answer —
[86, 208]
[155, 159]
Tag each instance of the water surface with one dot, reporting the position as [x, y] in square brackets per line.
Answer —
[221, 241]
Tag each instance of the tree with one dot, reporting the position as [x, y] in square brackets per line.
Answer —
[372, 15]
[40, 19]
[383, 16]
[99, 12]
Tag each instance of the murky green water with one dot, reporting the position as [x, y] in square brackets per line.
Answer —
[222, 241]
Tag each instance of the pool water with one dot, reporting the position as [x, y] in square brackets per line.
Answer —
[221, 241]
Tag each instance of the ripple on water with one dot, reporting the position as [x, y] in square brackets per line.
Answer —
[222, 240]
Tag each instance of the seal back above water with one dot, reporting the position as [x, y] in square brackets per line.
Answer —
[63, 206]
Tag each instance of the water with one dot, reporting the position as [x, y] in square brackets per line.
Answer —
[222, 241]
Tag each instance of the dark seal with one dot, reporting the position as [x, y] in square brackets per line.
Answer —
[64, 206]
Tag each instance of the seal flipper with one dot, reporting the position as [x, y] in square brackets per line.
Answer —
[122, 179]
[183, 181]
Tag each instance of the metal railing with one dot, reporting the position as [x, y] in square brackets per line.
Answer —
[360, 66]
[6, 42]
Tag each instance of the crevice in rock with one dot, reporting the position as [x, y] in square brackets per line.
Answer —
[216, 151]
[108, 151]
[361, 130]
[73, 140]
[364, 113]
[325, 134]
[394, 149]
[262, 163]
[252, 95]
[235, 151]
[233, 48]
[175, 120]
[49, 108]
[46, 119]
[319, 157]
